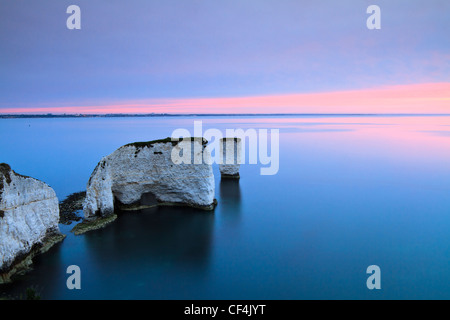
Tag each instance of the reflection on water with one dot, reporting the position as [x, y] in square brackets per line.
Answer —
[174, 237]
[230, 200]
[130, 256]
[47, 277]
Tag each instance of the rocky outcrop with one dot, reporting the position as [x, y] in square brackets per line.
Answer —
[143, 174]
[231, 151]
[69, 207]
[29, 216]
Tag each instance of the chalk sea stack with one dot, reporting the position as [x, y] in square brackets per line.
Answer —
[231, 151]
[142, 174]
[29, 215]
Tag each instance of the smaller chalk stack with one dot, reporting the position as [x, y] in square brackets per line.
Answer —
[231, 151]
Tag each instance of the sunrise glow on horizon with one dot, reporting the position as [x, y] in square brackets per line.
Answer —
[409, 99]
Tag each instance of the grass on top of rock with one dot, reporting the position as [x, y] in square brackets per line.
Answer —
[235, 139]
[5, 170]
[174, 142]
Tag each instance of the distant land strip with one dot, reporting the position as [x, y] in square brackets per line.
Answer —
[121, 115]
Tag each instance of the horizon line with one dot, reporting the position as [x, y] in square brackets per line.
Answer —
[106, 115]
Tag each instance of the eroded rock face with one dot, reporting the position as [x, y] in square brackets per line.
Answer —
[29, 215]
[143, 174]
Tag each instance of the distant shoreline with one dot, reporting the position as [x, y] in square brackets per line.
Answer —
[126, 115]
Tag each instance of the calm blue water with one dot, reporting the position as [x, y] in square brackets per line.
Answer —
[351, 192]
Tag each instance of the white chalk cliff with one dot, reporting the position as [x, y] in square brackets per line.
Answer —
[29, 215]
[144, 174]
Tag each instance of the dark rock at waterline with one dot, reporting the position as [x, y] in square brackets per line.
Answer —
[69, 207]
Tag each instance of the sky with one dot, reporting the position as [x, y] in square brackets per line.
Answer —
[225, 56]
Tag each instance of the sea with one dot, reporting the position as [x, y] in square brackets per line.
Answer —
[351, 191]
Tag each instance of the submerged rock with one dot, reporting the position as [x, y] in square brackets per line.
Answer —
[141, 175]
[89, 225]
[29, 216]
[231, 150]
